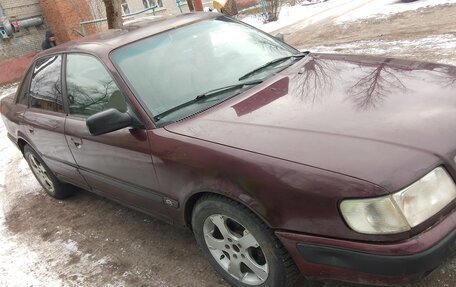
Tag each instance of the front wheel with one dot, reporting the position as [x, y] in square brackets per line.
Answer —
[243, 250]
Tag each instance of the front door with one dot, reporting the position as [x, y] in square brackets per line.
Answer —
[117, 164]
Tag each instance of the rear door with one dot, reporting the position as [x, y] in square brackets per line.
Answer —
[44, 119]
[117, 164]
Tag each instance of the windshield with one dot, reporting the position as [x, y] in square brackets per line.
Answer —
[176, 66]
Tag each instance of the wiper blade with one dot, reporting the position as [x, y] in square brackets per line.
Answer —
[207, 95]
[227, 88]
[270, 63]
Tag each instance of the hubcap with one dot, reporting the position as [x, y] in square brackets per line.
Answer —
[235, 249]
[40, 173]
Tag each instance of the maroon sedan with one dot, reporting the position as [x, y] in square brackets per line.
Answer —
[338, 166]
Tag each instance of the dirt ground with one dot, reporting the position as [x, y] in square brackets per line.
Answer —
[89, 241]
[410, 25]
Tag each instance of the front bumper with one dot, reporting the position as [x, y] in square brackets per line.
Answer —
[373, 263]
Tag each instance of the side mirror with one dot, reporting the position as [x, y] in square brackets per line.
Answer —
[108, 121]
[280, 37]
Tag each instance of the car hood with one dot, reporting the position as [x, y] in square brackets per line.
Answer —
[386, 121]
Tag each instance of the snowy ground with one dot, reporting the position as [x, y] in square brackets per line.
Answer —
[8, 89]
[308, 13]
[19, 265]
[442, 45]
[340, 11]
[384, 8]
[21, 262]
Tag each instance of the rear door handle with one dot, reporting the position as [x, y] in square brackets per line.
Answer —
[77, 142]
[31, 129]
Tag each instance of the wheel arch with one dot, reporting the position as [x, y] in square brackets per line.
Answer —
[191, 202]
[22, 140]
[21, 144]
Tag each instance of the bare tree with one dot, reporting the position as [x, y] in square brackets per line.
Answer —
[315, 80]
[114, 13]
[190, 5]
[375, 86]
[230, 8]
[273, 9]
[447, 77]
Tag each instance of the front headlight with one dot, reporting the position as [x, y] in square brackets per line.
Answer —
[402, 210]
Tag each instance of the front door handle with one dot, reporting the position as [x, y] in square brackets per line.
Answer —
[31, 129]
[77, 142]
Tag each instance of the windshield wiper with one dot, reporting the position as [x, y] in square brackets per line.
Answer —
[207, 95]
[270, 63]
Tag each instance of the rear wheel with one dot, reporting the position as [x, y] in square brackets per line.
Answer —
[239, 245]
[45, 176]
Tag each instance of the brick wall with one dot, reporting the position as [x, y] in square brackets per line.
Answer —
[21, 9]
[64, 16]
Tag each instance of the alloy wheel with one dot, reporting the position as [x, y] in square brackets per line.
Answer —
[41, 173]
[235, 249]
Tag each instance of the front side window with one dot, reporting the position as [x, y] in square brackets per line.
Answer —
[174, 67]
[45, 87]
[90, 88]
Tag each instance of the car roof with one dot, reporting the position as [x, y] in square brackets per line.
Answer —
[102, 43]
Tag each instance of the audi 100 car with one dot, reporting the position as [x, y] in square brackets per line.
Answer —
[281, 162]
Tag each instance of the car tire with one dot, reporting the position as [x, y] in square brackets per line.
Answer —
[45, 176]
[242, 249]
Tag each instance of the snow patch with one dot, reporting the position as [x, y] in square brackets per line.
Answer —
[71, 246]
[19, 264]
[442, 45]
[7, 90]
[304, 14]
[385, 8]
[8, 152]
[341, 12]
[25, 262]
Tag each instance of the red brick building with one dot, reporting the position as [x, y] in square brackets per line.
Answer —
[64, 16]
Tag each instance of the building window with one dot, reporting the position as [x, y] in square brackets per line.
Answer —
[125, 8]
[152, 3]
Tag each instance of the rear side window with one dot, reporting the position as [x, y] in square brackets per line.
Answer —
[90, 88]
[45, 87]
[22, 95]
